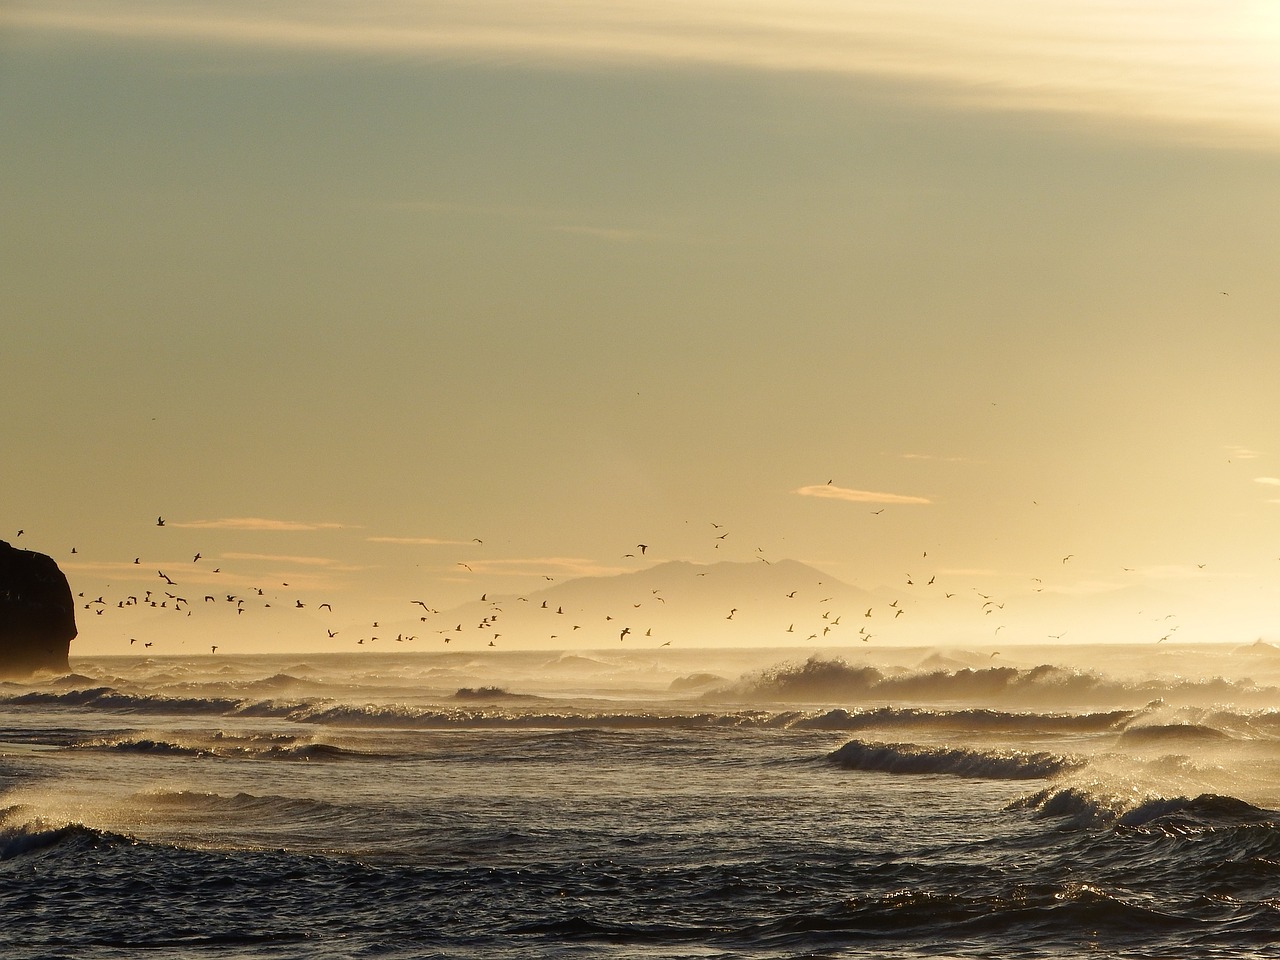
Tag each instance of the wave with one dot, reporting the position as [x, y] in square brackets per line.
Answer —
[430, 718]
[268, 747]
[490, 694]
[1090, 807]
[194, 801]
[494, 708]
[958, 762]
[1165, 732]
[987, 720]
[23, 833]
[820, 679]
[108, 698]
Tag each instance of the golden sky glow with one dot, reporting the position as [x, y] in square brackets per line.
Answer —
[403, 300]
[1209, 69]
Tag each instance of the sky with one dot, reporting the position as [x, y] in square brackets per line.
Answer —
[426, 300]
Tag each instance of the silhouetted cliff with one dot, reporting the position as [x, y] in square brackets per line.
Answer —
[37, 614]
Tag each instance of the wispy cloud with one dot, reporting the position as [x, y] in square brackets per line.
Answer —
[1242, 453]
[1185, 63]
[1269, 481]
[547, 567]
[1174, 571]
[832, 492]
[563, 221]
[610, 234]
[278, 558]
[420, 541]
[931, 456]
[252, 523]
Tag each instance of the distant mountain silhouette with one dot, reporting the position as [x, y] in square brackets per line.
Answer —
[680, 602]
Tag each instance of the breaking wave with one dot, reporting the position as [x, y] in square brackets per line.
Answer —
[23, 833]
[1166, 732]
[1092, 807]
[271, 747]
[240, 804]
[991, 721]
[820, 679]
[957, 762]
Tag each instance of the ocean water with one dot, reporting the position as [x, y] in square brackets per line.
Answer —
[1105, 802]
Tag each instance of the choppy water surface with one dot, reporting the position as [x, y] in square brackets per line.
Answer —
[656, 804]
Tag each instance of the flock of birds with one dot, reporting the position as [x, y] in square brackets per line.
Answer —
[816, 618]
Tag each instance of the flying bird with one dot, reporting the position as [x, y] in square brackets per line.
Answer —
[159, 521]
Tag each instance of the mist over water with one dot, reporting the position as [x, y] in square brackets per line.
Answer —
[666, 803]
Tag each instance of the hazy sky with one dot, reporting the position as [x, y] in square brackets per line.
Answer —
[338, 288]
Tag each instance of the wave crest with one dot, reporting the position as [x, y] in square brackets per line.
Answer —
[958, 762]
[823, 679]
[1088, 807]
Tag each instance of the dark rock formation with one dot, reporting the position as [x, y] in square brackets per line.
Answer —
[37, 614]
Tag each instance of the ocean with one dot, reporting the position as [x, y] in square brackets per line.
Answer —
[1117, 801]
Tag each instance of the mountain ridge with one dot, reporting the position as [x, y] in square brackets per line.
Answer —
[717, 602]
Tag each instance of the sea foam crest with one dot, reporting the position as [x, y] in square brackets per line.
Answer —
[269, 747]
[822, 679]
[108, 698]
[1001, 721]
[959, 762]
[23, 833]
[1093, 807]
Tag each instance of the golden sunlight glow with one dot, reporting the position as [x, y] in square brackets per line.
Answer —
[1208, 70]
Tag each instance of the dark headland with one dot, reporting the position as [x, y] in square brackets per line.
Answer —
[37, 613]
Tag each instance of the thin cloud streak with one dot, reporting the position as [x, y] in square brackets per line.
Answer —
[276, 558]
[544, 566]
[253, 523]
[1190, 66]
[831, 492]
[931, 456]
[420, 541]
